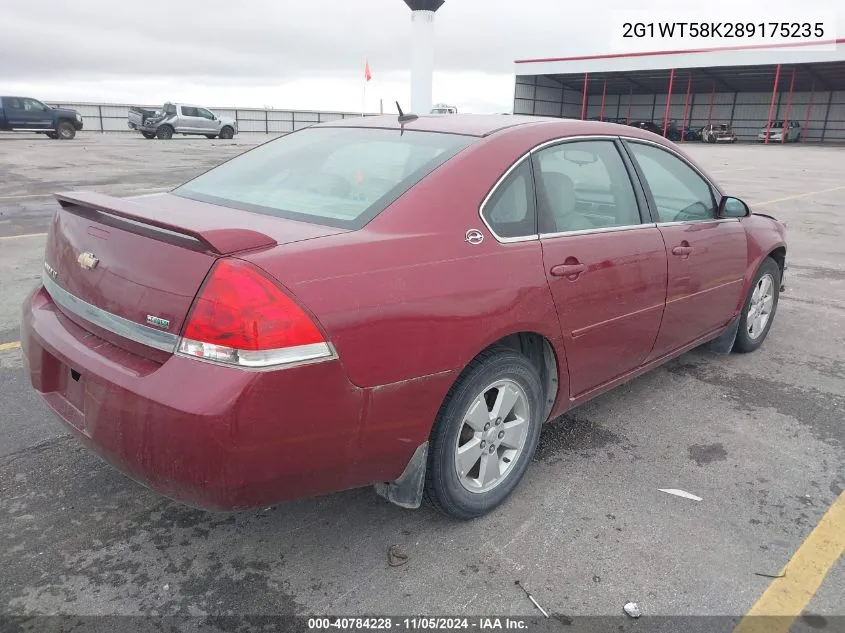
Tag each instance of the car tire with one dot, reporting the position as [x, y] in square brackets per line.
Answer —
[466, 424]
[210, 136]
[164, 132]
[227, 132]
[711, 138]
[65, 131]
[148, 135]
[758, 311]
[51, 135]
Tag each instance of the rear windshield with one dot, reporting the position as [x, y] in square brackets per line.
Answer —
[340, 177]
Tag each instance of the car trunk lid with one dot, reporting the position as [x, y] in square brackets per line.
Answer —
[128, 269]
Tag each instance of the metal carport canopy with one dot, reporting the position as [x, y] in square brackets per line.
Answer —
[729, 69]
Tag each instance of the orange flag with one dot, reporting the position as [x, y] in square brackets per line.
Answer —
[367, 74]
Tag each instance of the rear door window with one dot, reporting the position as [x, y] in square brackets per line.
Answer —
[584, 185]
[189, 111]
[335, 176]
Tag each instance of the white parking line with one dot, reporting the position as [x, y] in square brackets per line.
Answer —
[137, 192]
[23, 197]
[17, 237]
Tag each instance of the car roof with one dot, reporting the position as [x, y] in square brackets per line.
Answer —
[480, 124]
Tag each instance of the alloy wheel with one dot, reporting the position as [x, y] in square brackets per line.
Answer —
[760, 308]
[492, 436]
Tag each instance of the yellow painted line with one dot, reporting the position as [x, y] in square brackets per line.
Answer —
[800, 195]
[5, 346]
[17, 237]
[785, 598]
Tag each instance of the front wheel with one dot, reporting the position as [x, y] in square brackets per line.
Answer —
[227, 132]
[485, 434]
[164, 132]
[759, 309]
[148, 135]
[51, 135]
[65, 131]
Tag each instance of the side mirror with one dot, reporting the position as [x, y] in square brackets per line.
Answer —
[733, 208]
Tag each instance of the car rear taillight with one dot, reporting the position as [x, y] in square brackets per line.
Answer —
[241, 317]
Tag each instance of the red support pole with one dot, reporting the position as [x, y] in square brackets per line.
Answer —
[772, 104]
[710, 111]
[668, 101]
[686, 106]
[785, 132]
[603, 90]
[584, 98]
[809, 107]
[630, 99]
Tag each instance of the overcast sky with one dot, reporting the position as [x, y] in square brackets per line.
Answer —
[308, 53]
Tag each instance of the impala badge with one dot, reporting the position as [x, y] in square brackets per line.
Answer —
[474, 236]
[87, 261]
[157, 321]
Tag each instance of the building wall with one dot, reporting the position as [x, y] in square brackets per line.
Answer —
[747, 112]
[111, 117]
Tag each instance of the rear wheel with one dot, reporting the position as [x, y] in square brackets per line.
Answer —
[164, 132]
[758, 313]
[65, 131]
[227, 132]
[485, 434]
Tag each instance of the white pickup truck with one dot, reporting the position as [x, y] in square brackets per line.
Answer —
[180, 118]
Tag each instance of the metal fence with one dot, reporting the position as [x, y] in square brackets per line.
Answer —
[111, 117]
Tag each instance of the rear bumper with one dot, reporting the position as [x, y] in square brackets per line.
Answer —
[204, 434]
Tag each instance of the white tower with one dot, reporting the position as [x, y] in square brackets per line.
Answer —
[422, 52]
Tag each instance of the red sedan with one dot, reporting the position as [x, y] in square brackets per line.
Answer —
[369, 302]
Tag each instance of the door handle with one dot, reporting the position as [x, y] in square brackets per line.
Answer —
[682, 251]
[568, 270]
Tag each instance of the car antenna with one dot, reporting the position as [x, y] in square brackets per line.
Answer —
[404, 118]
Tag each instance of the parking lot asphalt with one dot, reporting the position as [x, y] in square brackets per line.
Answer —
[758, 437]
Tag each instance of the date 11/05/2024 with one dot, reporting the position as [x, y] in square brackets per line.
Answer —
[417, 623]
[770, 30]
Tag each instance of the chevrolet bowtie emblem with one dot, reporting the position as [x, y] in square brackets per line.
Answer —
[87, 261]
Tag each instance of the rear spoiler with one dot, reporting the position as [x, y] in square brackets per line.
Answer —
[143, 219]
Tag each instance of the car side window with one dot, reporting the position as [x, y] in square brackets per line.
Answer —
[31, 105]
[679, 192]
[205, 114]
[189, 111]
[510, 211]
[583, 185]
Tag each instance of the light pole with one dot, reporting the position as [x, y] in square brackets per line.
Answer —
[422, 52]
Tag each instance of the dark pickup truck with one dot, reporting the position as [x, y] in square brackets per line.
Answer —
[22, 114]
